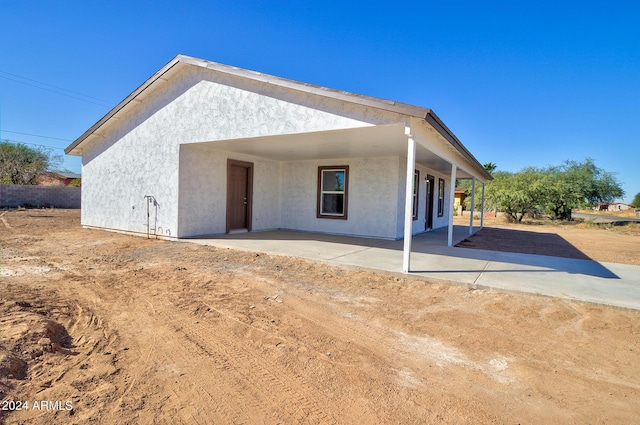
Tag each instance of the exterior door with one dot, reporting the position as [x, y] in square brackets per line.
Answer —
[428, 222]
[239, 194]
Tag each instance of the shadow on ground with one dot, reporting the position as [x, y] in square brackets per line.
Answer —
[430, 253]
[522, 242]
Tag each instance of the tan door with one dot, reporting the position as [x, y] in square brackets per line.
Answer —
[239, 188]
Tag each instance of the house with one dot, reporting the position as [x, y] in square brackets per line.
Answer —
[59, 178]
[459, 197]
[612, 206]
[202, 148]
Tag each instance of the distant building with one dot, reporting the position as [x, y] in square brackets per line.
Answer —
[57, 178]
[459, 197]
[612, 206]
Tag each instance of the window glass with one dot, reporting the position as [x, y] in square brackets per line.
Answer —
[416, 183]
[440, 197]
[332, 203]
[333, 180]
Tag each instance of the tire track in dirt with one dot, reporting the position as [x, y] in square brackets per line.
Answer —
[156, 350]
[372, 349]
[363, 347]
[329, 321]
[383, 354]
[192, 380]
[66, 367]
[266, 387]
[6, 223]
[265, 392]
[181, 346]
[371, 336]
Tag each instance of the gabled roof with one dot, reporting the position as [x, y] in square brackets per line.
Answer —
[68, 175]
[372, 102]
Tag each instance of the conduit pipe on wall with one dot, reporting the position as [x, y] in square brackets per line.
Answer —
[148, 200]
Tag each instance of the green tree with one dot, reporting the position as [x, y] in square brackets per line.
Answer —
[516, 194]
[490, 167]
[21, 164]
[553, 190]
[466, 185]
[575, 185]
[636, 201]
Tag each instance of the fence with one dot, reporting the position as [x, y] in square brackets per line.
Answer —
[15, 195]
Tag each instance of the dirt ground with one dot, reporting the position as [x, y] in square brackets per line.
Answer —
[100, 327]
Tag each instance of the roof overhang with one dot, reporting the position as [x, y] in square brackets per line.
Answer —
[376, 133]
[362, 142]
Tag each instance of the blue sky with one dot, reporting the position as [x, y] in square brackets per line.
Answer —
[520, 83]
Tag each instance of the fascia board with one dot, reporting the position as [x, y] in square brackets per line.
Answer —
[434, 121]
[120, 106]
[443, 148]
[368, 101]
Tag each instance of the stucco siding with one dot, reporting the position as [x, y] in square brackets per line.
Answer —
[371, 199]
[200, 105]
[223, 106]
[285, 194]
[203, 191]
[116, 181]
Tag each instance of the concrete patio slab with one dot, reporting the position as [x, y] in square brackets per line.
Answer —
[584, 280]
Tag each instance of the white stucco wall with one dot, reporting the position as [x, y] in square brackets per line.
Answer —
[373, 185]
[117, 174]
[138, 153]
[285, 195]
[203, 191]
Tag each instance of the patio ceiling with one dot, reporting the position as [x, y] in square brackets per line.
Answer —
[361, 142]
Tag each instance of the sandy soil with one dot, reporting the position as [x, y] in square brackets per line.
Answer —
[99, 327]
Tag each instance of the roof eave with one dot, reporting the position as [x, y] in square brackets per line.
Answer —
[68, 150]
[368, 101]
[373, 102]
[441, 128]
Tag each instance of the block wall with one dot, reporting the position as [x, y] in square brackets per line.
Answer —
[14, 195]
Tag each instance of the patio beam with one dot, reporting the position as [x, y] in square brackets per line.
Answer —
[408, 200]
[452, 195]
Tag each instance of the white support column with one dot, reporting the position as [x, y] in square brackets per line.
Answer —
[452, 195]
[473, 203]
[408, 200]
[482, 208]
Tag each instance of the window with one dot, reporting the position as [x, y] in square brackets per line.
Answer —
[333, 183]
[440, 197]
[416, 182]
